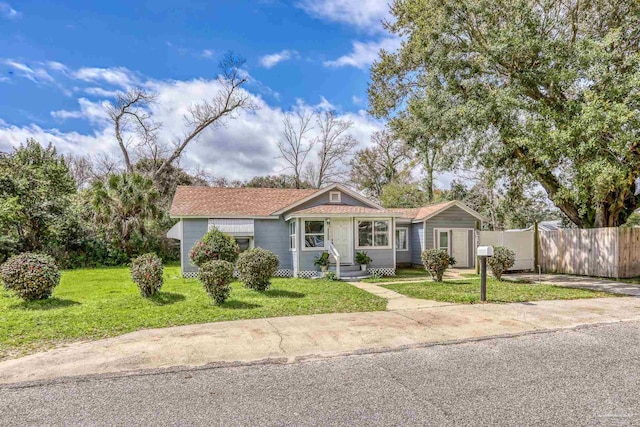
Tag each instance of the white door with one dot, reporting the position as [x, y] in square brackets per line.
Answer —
[342, 238]
[460, 247]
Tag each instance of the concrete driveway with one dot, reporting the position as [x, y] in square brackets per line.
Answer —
[581, 282]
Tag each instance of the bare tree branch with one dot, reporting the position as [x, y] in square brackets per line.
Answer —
[130, 114]
[214, 113]
[294, 147]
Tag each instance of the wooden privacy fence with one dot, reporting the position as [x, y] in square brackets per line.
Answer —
[601, 252]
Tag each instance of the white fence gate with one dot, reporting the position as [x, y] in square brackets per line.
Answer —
[521, 242]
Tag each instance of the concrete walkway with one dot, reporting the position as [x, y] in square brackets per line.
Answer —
[288, 339]
[581, 282]
[395, 300]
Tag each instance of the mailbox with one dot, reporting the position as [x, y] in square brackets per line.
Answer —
[485, 250]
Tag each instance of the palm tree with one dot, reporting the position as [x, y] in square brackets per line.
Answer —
[123, 204]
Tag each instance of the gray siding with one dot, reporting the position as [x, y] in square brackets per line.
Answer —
[192, 231]
[307, 258]
[454, 217]
[380, 258]
[323, 199]
[273, 235]
[416, 242]
[404, 257]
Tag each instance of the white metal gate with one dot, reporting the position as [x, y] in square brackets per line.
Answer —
[520, 242]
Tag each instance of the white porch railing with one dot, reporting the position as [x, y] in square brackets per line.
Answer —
[336, 255]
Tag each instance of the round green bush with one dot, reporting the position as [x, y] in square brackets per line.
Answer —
[31, 276]
[146, 272]
[503, 259]
[215, 245]
[256, 267]
[216, 277]
[436, 262]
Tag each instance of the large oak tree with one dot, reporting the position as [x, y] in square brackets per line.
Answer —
[547, 89]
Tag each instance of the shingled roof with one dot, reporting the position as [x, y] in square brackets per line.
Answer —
[418, 214]
[251, 202]
[341, 209]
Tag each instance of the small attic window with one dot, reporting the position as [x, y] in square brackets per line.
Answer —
[335, 197]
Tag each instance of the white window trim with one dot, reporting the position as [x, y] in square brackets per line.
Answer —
[294, 235]
[407, 237]
[251, 240]
[304, 235]
[436, 238]
[335, 193]
[373, 220]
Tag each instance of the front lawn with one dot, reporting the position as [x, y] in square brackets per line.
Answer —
[468, 291]
[401, 275]
[100, 303]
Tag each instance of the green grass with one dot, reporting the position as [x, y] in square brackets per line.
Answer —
[93, 304]
[401, 275]
[467, 291]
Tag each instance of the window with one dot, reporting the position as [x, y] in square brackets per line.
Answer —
[335, 197]
[244, 243]
[314, 234]
[443, 240]
[402, 239]
[292, 235]
[373, 234]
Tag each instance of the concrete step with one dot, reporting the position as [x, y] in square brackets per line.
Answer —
[345, 268]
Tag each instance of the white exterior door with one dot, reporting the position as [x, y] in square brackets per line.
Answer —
[342, 238]
[460, 247]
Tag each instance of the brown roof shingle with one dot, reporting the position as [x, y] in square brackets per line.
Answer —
[213, 201]
[341, 209]
[423, 212]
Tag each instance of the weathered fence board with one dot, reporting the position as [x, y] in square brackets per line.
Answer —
[602, 252]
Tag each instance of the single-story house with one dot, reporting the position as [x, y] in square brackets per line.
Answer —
[298, 225]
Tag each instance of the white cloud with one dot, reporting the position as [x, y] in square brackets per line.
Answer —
[36, 75]
[6, 11]
[357, 100]
[363, 54]
[207, 53]
[366, 15]
[117, 76]
[243, 148]
[271, 60]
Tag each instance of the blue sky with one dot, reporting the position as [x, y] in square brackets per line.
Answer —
[61, 60]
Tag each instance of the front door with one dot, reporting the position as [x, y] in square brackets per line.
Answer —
[342, 238]
[460, 247]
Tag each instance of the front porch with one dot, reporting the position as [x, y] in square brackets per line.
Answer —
[342, 235]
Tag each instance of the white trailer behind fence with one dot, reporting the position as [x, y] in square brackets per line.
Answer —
[520, 242]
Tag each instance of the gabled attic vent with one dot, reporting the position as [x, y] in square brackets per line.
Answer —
[335, 197]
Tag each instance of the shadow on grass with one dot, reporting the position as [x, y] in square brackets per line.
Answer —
[166, 298]
[239, 305]
[45, 304]
[281, 293]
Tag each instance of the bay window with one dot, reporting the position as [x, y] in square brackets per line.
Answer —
[374, 233]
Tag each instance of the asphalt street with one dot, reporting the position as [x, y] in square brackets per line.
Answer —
[586, 376]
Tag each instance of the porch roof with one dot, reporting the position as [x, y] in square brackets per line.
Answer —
[343, 210]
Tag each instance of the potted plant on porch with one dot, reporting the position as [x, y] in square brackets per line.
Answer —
[322, 261]
[363, 259]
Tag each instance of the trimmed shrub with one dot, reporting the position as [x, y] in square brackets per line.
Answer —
[216, 277]
[146, 272]
[503, 259]
[256, 267]
[31, 276]
[330, 276]
[215, 245]
[436, 262]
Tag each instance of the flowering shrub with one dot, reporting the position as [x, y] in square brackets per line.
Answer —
[215, 245]
[503, 259]
[216, 277]
[31, 276]
[436, 262]
[146, 272]
[256, 267]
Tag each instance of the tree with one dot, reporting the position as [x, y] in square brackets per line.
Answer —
[402, 195]
[123, 205]
[35, 192]
[294, 145]
[134, 124]
[388, 160]
[334, 146]
[543, 90]
[276, 181]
